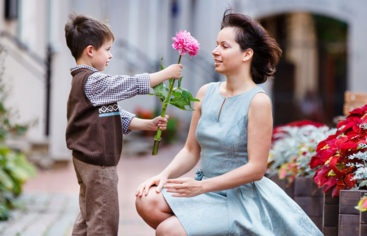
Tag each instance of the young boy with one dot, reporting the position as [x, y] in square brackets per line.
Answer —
[96, 123]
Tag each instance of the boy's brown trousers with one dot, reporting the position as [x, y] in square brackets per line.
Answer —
[98, 200]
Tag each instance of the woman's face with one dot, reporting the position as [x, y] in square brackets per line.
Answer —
[228, 56]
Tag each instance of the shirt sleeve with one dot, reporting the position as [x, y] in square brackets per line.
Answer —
[102, 89]
[126, 118]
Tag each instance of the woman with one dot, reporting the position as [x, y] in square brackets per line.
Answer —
[230, 132]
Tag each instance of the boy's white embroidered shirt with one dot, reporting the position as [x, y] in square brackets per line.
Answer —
[102, 89]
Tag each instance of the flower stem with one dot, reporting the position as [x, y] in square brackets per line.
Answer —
[157, 137]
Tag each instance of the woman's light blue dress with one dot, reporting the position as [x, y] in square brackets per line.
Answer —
[257, 208]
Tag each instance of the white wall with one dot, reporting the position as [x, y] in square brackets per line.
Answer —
[61, 80]
[24, 74]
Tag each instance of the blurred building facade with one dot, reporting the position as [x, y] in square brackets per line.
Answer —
[38, 61]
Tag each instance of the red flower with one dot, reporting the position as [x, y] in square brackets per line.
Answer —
[332, 154]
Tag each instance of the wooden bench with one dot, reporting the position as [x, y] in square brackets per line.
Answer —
[353, 100]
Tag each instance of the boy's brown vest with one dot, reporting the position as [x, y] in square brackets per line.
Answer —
[94, 134]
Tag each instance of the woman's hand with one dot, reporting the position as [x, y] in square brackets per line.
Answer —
[184, 187]
[143, 188]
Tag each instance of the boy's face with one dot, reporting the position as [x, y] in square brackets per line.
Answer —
[102, 56]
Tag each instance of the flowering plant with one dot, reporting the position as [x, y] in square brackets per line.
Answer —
[340, 160]
[184, 42]
[144, 113]
[292, 148]
[278, 129]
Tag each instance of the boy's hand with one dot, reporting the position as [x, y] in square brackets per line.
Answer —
[158, 122]
[171, 72]
[174, 71]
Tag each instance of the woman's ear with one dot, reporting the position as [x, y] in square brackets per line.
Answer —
[248, 54]
[89, 50]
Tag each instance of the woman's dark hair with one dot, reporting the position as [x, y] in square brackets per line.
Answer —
[250, 34]
[82, 31]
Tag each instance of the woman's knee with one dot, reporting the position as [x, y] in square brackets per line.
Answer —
[147, 203]
[170, 226]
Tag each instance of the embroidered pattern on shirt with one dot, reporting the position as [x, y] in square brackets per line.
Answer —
[108, 108]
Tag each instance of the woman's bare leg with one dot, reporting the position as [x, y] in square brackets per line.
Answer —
[153, 208]
[171, 227]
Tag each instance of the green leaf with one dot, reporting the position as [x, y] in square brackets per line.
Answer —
[181, 107]
[2, 108]
[180, 103]
[179, 100]
[17, 188]
[185, 94]
[176, 94]
[4, 211]
[162, 68]
[151, 94]
[21, 129]
[165, 87]
[188, 95]
[191, 98]
[6, 180]
[160, 91]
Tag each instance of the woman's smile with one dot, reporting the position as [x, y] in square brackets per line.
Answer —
[217, 62]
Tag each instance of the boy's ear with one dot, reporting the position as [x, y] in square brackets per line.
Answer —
[248, 54]
[89, 50]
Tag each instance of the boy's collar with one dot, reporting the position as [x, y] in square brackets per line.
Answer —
[76, 67]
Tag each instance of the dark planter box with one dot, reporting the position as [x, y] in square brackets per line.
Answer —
[310, 198]
[351, 221]
[330, 216]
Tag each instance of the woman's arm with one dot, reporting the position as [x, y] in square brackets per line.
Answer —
[186, 159]
[260, 125]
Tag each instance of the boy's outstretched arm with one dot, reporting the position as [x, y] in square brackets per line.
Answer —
[150, 125]
[171, 72]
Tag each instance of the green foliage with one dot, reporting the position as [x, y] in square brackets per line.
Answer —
[182, 98]
[14, 167]
[170, 134]
[329, 29]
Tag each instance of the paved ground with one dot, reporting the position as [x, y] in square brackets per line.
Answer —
[51, 199]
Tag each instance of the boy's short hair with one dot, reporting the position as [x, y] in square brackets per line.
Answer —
[82, 31]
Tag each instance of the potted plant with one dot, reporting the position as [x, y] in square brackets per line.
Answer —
[14, 167]
[340, 164]
[292, 148]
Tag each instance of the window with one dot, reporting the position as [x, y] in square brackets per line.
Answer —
[11, 9]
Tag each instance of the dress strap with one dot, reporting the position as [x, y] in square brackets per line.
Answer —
[251, 94]
[209, 93]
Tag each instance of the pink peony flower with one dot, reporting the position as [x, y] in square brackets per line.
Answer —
[184, 42]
